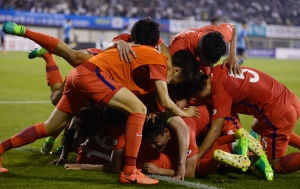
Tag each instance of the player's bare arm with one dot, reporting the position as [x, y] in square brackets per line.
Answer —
[212, 135]
[231, 59]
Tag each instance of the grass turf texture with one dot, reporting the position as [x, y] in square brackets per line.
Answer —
[22, 79]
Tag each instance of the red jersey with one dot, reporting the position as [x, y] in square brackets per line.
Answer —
[252, 88]
[101, 152]
[140, 74]
[189, 39]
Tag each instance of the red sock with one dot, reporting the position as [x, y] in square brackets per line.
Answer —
[207, 164]
[27, 136]
[288, 163]
[52, 70]
[294, 140]
[224, 140]
[133, 138]
[46, 41]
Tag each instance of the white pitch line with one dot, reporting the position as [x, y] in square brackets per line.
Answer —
[183, 183]
[26, 102]
[159, 177]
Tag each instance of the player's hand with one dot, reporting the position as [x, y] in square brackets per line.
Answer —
[150, 168]
[59, 161]
[125, 49]
[87, 146]
[179, 174]
[192, 111]
[234, 67]
[73, 166]
[181, 103]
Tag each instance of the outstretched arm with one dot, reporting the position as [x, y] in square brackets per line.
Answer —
[231, 59]
[189, 171]
[114, 165]
[168, 104]
[212, 135]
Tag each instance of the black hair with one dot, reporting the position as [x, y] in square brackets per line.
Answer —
[145, 32]
[190, 88]
[89, 121]
[154, 127]
[214, 19]
[187, 62]
[211, 47]
[114, 116]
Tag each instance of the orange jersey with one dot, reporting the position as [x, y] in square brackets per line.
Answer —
[252, 88]
[139, 75]
[94, 51]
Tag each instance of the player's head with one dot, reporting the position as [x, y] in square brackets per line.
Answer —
[69, 20]
[185, 66]
[245, 24]
[211, 48]
[89, 121]
[214, 21]
[155, 131]
[198, 90]
[145, 32]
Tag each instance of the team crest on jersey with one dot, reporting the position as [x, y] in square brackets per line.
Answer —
[214, 112]
[189, 152]
[115, 142]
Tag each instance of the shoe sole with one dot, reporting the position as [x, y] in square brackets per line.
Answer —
[233, 160]
[254, 145]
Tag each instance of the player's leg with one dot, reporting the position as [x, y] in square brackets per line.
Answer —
[55, 81]
[284, 163]
[124, 100]
[51, 44]
[55, 123]
[294, 138]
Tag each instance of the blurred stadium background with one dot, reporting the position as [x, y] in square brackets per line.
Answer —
[274, 33]
[274, 25]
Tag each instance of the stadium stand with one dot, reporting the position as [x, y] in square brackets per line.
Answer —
[263, 12]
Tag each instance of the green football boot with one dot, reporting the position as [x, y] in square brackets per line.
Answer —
[48, 145]
[263, 165]
[37, 52]
[234, 160]
[254, 144]
[241, 148]
[13, 28]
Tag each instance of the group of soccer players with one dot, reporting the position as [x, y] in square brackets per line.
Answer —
[188, 136]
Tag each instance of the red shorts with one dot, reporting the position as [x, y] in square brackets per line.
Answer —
[85, 82]
[275, 136]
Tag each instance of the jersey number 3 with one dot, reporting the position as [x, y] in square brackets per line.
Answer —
[253, 79]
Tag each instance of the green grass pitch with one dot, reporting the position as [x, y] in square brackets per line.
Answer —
[22, 79]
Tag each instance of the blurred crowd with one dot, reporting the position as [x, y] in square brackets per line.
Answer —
[270, 12]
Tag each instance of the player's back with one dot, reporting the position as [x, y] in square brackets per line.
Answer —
[256, 89]
[109, 62]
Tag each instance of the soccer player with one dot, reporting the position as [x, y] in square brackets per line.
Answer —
[92, 80]
[3, 41]
[158, 135]
[208, 44]
[68, 28]
[242, 43]
[277, 108]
